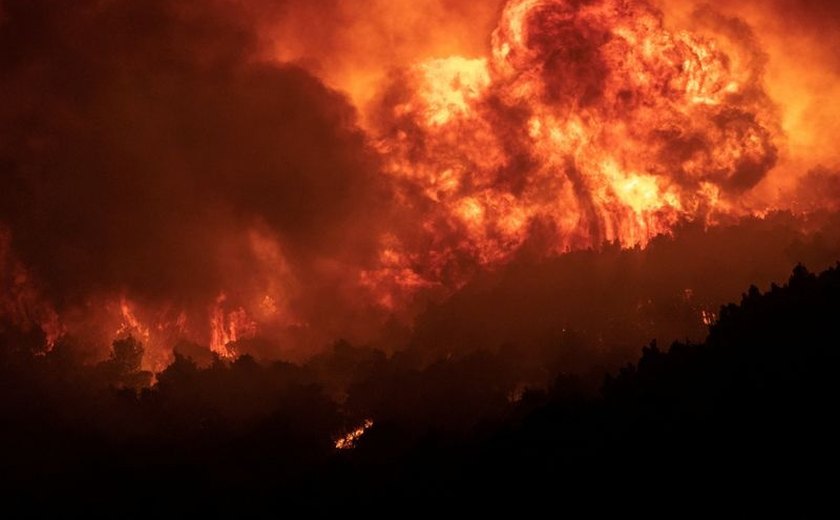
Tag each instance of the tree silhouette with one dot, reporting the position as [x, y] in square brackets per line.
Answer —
[754, 399]
[123, 368]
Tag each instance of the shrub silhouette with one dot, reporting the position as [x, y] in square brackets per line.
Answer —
[754, 400]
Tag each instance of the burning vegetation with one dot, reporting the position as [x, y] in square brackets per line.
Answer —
[202, 192]
[327, 239]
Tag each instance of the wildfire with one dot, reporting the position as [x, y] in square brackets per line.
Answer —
[581, 123]
[448, 88]
[228, 327]
[130, 324]
[590, 121]
[348, 440]
[21, 300]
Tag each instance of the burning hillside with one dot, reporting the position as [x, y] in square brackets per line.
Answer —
[164, 176]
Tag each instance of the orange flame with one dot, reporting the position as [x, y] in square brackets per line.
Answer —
[228, 327]
[130, 324]
[348, 440]
[590, 121]
[583, 122]
[21, 299]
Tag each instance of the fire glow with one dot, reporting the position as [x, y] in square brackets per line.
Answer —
[348, 440]
[589, 121]
[581, 123]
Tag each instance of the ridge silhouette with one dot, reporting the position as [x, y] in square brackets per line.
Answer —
[754, 401]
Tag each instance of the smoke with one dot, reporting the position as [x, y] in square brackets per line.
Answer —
[266, 177]
[145, 151]
[801, 77]
[353, 45]
[585, 123]
[488, 194]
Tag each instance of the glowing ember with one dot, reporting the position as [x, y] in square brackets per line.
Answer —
[348, 440]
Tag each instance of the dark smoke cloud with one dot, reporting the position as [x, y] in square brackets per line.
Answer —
[140, 141]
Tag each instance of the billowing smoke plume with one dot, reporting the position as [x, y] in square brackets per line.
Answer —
[589, 122]
[167, 173]
[148, 160]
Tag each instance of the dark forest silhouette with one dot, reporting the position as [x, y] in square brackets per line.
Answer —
[756, 398]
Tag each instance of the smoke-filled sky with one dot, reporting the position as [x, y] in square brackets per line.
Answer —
[358, 42]
[146, 151]
[210, 170]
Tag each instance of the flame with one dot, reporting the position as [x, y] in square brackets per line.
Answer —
[591, 120]
[21, 300]
[130, 324]
[348, 440]
[582, 123]
[228, 327]
[449, 87]
[158, 328]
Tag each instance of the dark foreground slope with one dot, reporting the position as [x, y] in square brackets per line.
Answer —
[753, 407]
